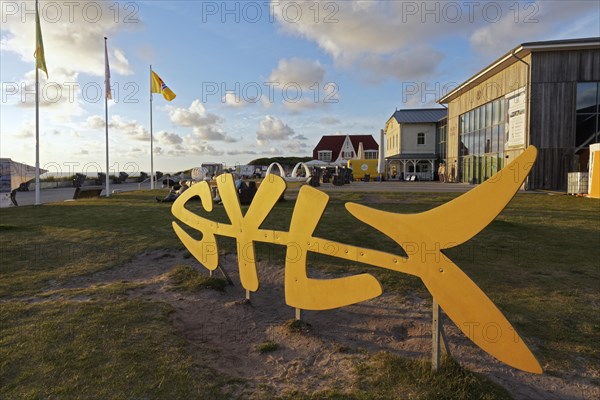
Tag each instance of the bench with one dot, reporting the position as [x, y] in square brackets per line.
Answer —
[87, 192]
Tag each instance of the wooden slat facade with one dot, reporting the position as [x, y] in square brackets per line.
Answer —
[554, 77]
[552, 94]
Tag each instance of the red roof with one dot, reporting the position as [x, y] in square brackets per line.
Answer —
[367, 140]
[334, 143]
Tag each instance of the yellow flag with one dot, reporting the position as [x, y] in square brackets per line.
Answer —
[40, 59]
[158, 86]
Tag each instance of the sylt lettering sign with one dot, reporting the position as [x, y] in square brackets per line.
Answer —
[423, 237]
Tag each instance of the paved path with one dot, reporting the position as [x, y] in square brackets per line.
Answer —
[397, 186]
[62, 194]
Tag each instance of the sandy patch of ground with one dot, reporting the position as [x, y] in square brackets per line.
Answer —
[223, 331]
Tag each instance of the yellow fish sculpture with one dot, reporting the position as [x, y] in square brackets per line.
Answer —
[423, 236]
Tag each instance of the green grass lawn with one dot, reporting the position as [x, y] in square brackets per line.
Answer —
[539, 261]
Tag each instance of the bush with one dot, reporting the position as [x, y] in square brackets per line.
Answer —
[267, 347]
[188, 279]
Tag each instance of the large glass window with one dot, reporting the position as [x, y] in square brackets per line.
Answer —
[488, 115]
[495, 138]
[468, 144]
[495, 113]
[481, 117]
[488, 140]
[468, 126]
[481, 132]
[588, 110]
[476, 143]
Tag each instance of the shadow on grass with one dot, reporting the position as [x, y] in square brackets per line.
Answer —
[538, 261]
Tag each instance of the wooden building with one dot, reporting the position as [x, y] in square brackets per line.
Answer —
[545, 94]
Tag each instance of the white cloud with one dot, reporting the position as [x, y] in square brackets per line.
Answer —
[131, 128]
[73, 45]
[206, 126]
[25, 131]
[212, 133]
[233, 99]
[329, 121]
[273, 152]
[272, 128]
[240, 152]
[307, 102]
[71, 31]
[60, 97]
[418, 61]
[95, 122]
[121, 62]
[366, 36]
[540, 20]
[301, 83]
[169, 138]
[397, 39]
[192, 146]
[193, 116]
[298, 71]
[133, 153]
[296, 146]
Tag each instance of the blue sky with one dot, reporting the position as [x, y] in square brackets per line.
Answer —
[249, 83]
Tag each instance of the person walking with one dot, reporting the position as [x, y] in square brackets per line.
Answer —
[442, 172]
[13, 197]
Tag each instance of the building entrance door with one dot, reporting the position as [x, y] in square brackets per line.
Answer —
[491, 166]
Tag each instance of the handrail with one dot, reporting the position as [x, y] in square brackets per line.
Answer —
[140, 184]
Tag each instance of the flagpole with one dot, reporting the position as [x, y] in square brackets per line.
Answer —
[37, 122]
[381, 155]
[106, 83]
[37, 136]
[151, 138]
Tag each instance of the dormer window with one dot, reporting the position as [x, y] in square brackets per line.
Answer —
[325, 155]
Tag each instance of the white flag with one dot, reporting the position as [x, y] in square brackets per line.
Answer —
[107, 73]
